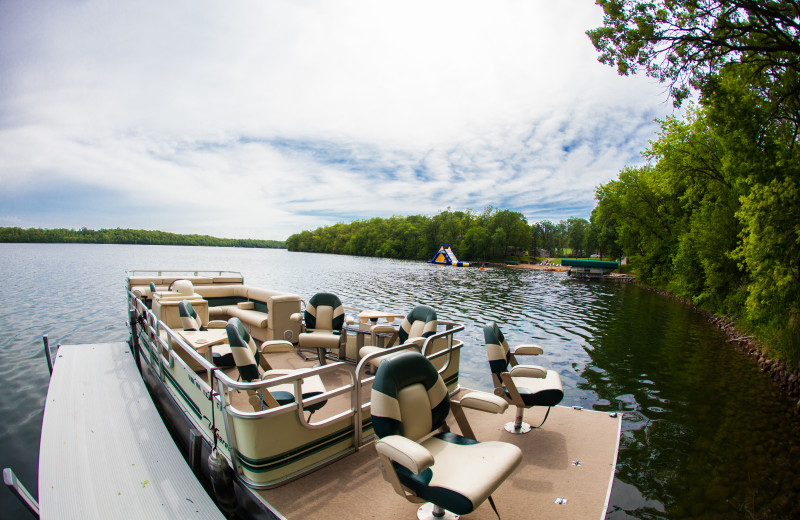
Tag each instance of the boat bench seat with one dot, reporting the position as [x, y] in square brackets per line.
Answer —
[266, 313]
[140, 285]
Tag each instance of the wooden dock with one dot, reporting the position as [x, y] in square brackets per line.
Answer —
[105, 452]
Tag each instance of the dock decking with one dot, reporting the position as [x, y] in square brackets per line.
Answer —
[105, 452]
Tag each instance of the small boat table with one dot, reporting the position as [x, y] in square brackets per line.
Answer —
[367, 319]
[374, 316]
[203, 340]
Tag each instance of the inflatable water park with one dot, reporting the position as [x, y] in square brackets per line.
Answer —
[446, 256]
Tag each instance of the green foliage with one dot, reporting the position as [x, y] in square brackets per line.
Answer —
[491, 234]
[687, 42]
[714, 217]
[126, 236]
[715, 214]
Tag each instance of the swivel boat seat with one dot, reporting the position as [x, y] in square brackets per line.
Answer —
[244, 353]
[221, 355]
[418, 325]
[324, 320]
[453, 473]
[524, 386]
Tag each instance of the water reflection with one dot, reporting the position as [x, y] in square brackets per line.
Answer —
[704, 436]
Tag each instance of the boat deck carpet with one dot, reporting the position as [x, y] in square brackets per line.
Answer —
[571, 457]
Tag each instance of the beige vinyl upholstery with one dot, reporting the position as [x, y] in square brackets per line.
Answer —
[421, 458]
[245, 353]
[524, 386]
[323, 320]
[419, 325]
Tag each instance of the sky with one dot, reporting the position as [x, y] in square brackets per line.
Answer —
[260, 119]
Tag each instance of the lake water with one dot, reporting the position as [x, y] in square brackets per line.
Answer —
[705, 434]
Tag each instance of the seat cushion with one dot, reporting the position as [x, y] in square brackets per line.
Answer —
[464, 473]
[284, 393]
[540, 391]
[322, 339]
[222, 356]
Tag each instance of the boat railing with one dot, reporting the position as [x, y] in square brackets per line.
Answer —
[162, 344]
[296, 379]
[427, 348]
[179, 272]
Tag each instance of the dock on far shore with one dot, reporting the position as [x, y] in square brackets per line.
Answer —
[105, 452]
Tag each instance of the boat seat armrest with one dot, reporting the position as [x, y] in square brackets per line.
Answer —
[419, 341]
[382, 328]
[297, 316]
[528, 350]
[216, 324]
[409, 454]
[277, 372]
[275, 346]
[528, 371]
[484, 402]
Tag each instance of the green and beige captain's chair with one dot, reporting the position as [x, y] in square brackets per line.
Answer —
[420, 457]
[245, 354]
[323, 319]
[524, 386]
[419, 325]
[221, 355]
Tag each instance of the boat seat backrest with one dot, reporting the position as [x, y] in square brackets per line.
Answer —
[189, 317]
[324, 311]
[419, 323]
[243, 348]
[497, 348]
[409, 398]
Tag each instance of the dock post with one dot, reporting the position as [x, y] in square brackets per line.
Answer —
[195, 449]
[48, 354]
[135, 340]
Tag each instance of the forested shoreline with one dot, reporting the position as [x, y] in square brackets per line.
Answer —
[713, 217]
[490, 235]
[127, 236]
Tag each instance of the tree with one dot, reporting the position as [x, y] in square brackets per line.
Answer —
[577, 232]
[686, 42]
[477, 243]
[545, 232]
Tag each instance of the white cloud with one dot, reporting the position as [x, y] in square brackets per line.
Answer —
[261, 119]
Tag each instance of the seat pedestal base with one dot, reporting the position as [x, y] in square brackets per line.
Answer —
[511, 427]
[426, 510]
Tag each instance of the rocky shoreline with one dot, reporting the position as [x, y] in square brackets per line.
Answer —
[787, 380]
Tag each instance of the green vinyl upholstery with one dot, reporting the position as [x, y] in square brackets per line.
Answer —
[324, 321]
[409, 404]
[418, 325]
[245, 353]
[244, 350]
[220, 354]
[522, 385]
[190, 320]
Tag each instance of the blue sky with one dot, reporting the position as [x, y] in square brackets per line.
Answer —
[258, 119]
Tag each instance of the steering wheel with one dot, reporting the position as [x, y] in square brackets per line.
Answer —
[169, 289]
